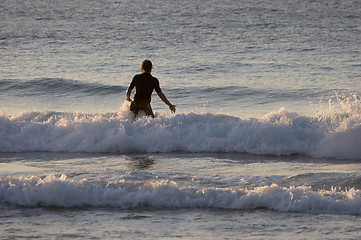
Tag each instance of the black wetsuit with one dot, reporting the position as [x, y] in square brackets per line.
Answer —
[144, 85]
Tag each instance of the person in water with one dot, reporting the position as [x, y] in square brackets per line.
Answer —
[144, 84]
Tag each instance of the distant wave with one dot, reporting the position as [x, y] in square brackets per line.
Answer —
[239, 91]
[335, 135]
[61, 192]
[57, 87]
[61, 87]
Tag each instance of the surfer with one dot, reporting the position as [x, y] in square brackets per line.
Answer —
[144, 84]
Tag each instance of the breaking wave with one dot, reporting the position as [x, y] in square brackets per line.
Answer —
[54, 191]
[333, 134]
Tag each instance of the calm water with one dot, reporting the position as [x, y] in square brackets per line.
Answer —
[265, 143]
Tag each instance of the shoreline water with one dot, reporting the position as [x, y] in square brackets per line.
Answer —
[179, 195]
[265, 143]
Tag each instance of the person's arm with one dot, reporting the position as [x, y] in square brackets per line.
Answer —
[165, 100]
[130, 88]
[129, 91]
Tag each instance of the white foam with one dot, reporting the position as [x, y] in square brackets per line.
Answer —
[343, 144]
[279, 133]
[61, 192]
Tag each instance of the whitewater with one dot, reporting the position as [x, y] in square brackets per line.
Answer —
[280, 133]
[265, 143]
[60, 192]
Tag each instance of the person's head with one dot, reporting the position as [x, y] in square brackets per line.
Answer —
[146, 66]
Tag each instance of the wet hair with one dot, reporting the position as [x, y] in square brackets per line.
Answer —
[147, 65]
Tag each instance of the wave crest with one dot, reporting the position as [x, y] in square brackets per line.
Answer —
[61, 192]
[279, 133]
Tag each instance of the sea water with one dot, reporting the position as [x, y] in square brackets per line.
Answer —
[265, 143]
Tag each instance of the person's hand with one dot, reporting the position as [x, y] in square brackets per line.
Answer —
[172, 108]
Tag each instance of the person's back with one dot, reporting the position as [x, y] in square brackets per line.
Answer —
[144, 85]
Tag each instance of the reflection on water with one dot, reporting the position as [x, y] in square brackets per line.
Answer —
[139, 162]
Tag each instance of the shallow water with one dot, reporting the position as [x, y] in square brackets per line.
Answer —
[176, 195]
[176, 223]
[265, 143]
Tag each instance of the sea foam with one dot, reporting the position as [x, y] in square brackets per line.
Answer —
[283, 132]
[54, 191]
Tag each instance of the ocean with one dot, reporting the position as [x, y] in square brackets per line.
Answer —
[265, 142]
